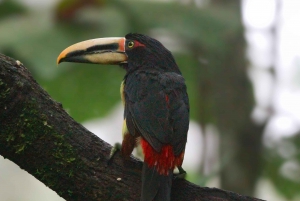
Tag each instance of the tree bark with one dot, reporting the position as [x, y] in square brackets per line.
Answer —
[39, 136]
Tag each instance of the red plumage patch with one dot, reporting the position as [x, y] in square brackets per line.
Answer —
[162, 161]
[138, 44]
[168, 101]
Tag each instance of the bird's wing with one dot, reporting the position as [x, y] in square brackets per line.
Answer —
[159, 108]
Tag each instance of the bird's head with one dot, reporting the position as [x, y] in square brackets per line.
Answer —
[134, 51]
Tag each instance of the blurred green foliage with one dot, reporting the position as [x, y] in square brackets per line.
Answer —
[10, 8]
[286, 180]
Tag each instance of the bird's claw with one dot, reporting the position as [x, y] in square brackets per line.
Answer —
[116, 148]
[181, 174]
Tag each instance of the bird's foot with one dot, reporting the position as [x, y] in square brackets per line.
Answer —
[116, 148]
[181, 174]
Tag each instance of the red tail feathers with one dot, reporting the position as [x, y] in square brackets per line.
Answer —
[163, 161]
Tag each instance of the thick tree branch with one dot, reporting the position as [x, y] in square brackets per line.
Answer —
[38, 135]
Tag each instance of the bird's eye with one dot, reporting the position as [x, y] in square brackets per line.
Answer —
[130, 44]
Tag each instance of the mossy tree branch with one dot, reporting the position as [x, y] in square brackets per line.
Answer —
[39, 136]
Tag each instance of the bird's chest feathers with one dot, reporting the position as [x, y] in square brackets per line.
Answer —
[137, 86]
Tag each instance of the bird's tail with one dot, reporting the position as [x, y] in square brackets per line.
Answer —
[156, 186]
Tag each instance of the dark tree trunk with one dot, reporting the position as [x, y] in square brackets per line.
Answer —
[39, 136]
[227, 99]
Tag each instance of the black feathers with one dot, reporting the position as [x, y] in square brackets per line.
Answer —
[157, 109]
[158, 122]
[154, 55]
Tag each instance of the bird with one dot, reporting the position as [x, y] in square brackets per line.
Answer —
[156, 104]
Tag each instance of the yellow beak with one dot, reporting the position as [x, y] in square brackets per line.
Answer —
[98, 51]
